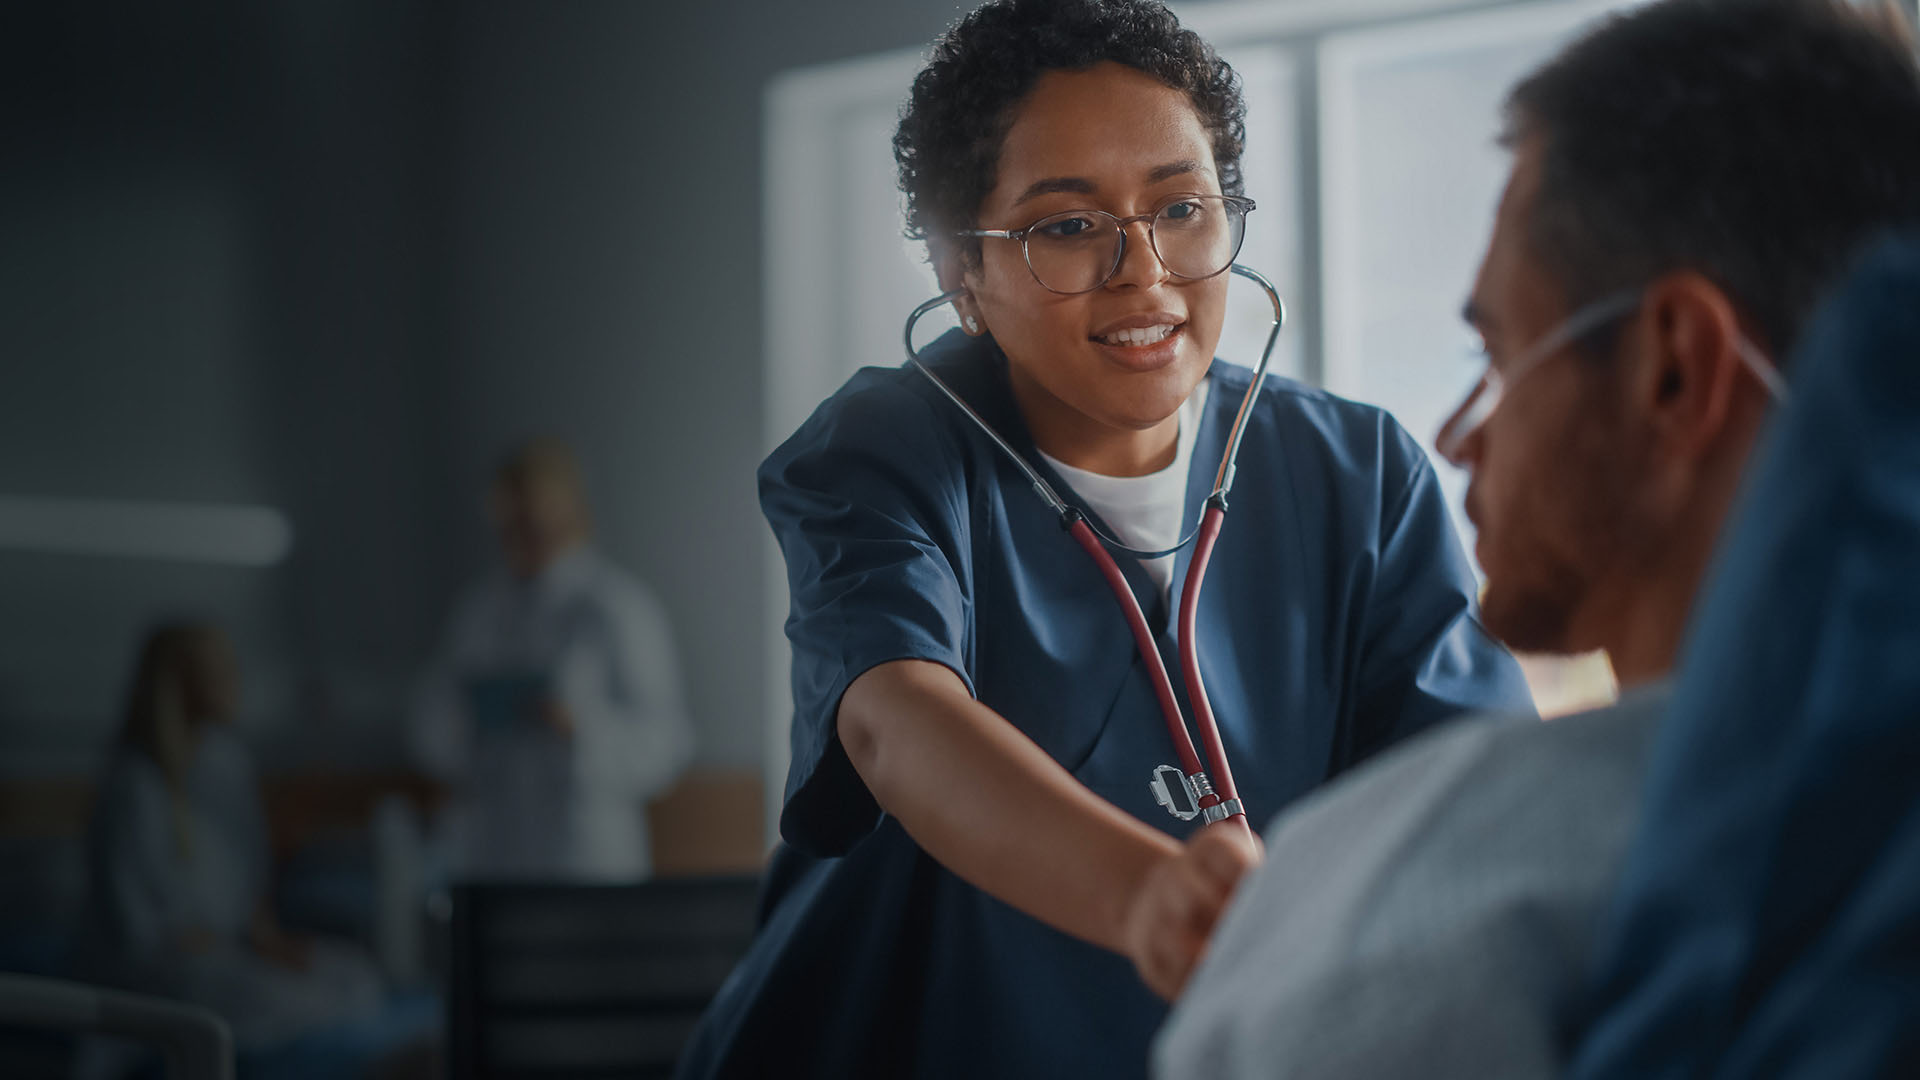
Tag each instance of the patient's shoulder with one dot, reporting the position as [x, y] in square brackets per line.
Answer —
[1429, 912]
[1483, 811]
[1491, 760]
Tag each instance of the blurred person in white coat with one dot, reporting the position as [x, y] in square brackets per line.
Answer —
[553, 707]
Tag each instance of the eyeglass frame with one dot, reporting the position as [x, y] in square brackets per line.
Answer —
[1492, 385]
[1239, 204]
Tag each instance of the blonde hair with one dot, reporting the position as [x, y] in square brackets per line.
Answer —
[160, 721]
[542, 462]
[547, 467]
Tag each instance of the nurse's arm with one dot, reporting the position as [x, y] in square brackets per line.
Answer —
[994, 808]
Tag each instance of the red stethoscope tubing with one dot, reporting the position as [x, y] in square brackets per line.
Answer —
[1208, 795]
[1189, 655]
[1216, 751]
[1143, 641]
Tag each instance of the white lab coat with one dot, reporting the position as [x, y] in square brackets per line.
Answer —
[530, 802]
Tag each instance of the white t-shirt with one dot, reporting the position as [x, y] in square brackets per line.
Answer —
[1146, 512]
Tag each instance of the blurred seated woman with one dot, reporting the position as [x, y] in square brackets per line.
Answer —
[179, 868]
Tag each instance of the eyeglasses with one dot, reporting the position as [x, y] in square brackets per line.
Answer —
[1473, 412]
[1077, 251]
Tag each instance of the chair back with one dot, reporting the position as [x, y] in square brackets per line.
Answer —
[588, 980]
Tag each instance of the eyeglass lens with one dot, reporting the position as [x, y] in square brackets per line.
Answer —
[1079, 250]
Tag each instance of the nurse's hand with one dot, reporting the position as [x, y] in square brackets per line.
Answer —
[1181, 899]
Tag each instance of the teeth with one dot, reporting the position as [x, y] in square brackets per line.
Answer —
[1145, 335]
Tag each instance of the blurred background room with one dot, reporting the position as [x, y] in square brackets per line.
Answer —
[378, 373]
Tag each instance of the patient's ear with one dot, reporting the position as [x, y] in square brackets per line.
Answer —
[950, 269]
[1691, 372]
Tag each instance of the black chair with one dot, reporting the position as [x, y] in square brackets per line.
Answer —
[550, 981]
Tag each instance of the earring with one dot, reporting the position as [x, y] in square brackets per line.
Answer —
[973, 325]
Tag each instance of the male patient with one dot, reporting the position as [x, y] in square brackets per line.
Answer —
[1687, 180]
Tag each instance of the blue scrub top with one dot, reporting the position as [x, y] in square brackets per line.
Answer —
[1338, 618]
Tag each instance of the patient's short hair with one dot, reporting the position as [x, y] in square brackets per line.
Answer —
[1758, 142]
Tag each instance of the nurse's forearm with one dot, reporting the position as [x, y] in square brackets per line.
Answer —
[992, 806]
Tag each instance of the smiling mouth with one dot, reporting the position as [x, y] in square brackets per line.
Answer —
[1140, 336]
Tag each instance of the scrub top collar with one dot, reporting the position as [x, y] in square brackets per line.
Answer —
[990, 392]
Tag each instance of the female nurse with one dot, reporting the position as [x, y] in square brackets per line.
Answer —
[977, 880]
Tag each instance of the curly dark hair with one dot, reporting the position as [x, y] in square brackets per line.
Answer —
[952, 128]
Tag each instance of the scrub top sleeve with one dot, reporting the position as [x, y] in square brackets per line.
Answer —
[1426, 656]
[870, 510]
